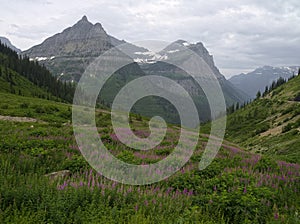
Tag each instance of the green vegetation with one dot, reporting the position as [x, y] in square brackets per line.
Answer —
[12, 82]
[271, 124]
[19, 75]
[44, 110]
[238, 187]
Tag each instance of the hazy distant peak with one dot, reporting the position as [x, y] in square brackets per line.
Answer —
[261, 77]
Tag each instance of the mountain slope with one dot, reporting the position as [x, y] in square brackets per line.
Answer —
[258, 79]
[21, 76]
[7, 42]
[231, 93]
[41, 163]
[12, 82]
[271, 124]
[67, 54]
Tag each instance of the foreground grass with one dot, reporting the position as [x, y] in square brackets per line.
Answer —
[238, 187]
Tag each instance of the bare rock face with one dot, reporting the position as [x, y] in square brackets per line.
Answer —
[231, 93]
[68, 53]
[82, 39]
[59, 174]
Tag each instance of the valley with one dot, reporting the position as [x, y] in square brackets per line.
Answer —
[45, 176]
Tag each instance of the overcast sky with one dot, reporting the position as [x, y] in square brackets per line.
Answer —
[241, 35]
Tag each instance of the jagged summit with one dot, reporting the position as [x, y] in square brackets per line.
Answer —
[83, 22]
[82, 39]
[84, 19]
[68, 53]
[198, 48]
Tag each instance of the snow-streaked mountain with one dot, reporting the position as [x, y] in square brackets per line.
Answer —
[174, 51]
[67, 54]
[258, 79]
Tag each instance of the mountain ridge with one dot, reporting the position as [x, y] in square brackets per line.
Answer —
[68, 54]
[261, 77]
[8, 43]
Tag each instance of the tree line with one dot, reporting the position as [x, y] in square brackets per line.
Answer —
[36, 73]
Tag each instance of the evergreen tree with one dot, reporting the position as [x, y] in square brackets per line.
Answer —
[266, 90]
[258, 95]
[237, 106]
[31, 70]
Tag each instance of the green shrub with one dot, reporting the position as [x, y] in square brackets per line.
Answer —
[287, 128]
[4, 106]
[24, 105]
[266, 164]
[75, 164]
[40, 110]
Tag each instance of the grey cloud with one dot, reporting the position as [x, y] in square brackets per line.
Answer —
[240, 34]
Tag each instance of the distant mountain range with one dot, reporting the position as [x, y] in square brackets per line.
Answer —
[6, 42]
[258, 79]
[68, 54]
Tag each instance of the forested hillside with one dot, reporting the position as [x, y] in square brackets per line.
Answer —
[19, 75]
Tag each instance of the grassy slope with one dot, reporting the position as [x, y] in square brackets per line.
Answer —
[238, 187]
[271, 124]
[44, 110]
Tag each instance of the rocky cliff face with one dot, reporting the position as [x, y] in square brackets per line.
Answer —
[67, 54]
[82, 39]
[199, 49]
[231, 93]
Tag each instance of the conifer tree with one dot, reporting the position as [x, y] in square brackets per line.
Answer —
[258, 95]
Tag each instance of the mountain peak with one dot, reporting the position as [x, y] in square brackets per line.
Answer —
[83, 21]
[98, 25]
[182, 42]
[200, 44]
[84, 18]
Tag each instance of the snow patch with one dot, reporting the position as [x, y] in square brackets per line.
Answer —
[173, 51]
[138, 60]
[149, 57]
[147, 53]
[41, 58]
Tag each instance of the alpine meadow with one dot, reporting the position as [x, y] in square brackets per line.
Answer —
[233, 157]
